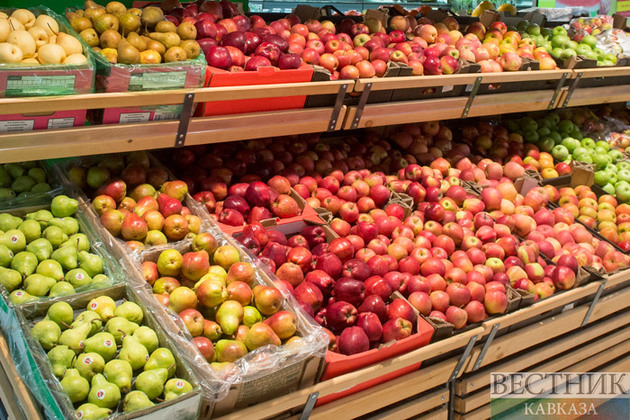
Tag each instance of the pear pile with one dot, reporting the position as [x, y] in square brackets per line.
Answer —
[215, 295]
[45, 254]
[105, 355]
[31, 40]
[134, 36]
[22, 180]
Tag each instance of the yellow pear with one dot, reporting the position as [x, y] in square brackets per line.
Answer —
[150, 57]
[30, 61]
[10, 53]
[39, 34]
[90, 37]
[51, 54]
[25, 17]
[70, 44]
[48, 23]
[5, 28]
[75, 59]
[16, 25]
[111, 54]
[24, 41]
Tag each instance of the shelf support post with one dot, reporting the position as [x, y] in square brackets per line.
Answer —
[334, 116]
[458, 367]
[574, 85]
[471, 98]
[486, 346]
[362, 101]
[557, 91]
[184, 120]
[310, 404]
[594, 302]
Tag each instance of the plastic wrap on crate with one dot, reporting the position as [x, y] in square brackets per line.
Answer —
[34, 367]
[88, 228]
[256, 365]
[49, 79]
[32, 199]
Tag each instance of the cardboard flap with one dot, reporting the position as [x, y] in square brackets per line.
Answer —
[489, 16]
[381, 15]
[436, 15]
[306, 12]
[582, 174]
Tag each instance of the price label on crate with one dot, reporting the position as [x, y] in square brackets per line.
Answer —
[40, 85]
[157, 81]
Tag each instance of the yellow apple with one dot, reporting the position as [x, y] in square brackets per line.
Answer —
[40, 36]
[25, 16]
[51, 54]
[24, 41]
[10, 53]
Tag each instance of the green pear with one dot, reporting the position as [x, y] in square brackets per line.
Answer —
[61, 358]
[78, 277]
[5, 178]
[91, 263]
[63, 206]
[61, 288]
[75, 385]
[104, 394]
[24, 263]
[151, 382]
[147, 337]
[120, 373]
[9, 222]
[41, 216]
[37, 174]
[68, 225]
[89, 364]
[101, 281]
[131, 311]
[102, 343]
[75, 337]
[20, 297]
[41, 187]
[136, 401]
[38, 285]
[67, 257]
[133, 352]
[92, 412]
[54, 235]
[10, 279]
[42, 248]
[6, 193]
[6, 255]
[14, 169]
[50, 268]
[90, 317]
[104, 306]
[161, 358]
[79, 241]
[47, 332]
[23, 184]
[61, 313]
[175, 388]
[31, 230]
[14, 240]
[120, 327]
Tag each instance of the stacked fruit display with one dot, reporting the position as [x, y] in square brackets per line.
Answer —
[134, 199]
[105, 355]
[224, 309]
[30, 41]
[22, 180]
[134, 36]
[44, 254]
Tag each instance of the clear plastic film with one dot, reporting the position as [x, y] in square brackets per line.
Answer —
[610, 39]
[558, 14]
[255, 365]
[36, 370]
[48, 79]
[97, 247]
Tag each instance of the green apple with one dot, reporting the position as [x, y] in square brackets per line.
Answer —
[546, 32]
[557, 137]
[601, 161]
[547, 145]
[589, 40]
[567, 53]
[588, 143]
[591, 55]
[622, 190]
[603, 144]
[528, 124]
[623, 164]
[565, 126]
[611, 57]
[560, 41]
[559, 30]
[572, 45]
[601, 178]
[543, 132]
[560, 152]
[583, 50]
[600, 53]
[522, 25]
[533, 29]
[613, 169]
[609, 188]
[531, 137]
[623, 175]
[571, 144]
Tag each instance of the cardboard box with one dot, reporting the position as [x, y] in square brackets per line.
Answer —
[184, 407]
[13, 123]
[216, 77]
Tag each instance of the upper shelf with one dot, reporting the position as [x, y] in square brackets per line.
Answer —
[353, 109]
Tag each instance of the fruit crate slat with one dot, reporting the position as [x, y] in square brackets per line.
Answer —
[423, 407]
[19, 400]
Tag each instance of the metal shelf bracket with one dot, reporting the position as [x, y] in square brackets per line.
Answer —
[557, 91]
[334, 116]
[471, 98]
[486, 346]
[572, 89]
[594, 302]
[184, 120]
[310, 404]
[362, 101]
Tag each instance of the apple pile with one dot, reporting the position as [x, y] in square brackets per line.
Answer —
[31, 41]
[218, 299]
[134, 36]
[345, 291]
[603, 213]
[135, 201]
